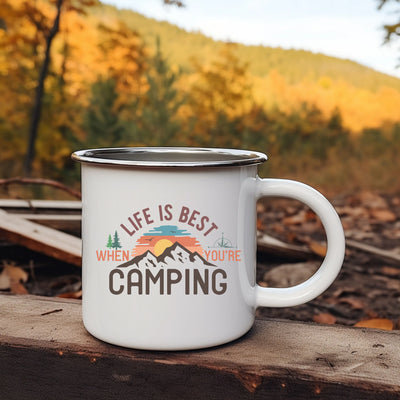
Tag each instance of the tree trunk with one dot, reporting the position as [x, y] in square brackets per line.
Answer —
[39, 92]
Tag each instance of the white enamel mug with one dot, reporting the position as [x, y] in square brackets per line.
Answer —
[169, 245]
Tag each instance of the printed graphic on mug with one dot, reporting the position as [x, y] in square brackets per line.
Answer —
[157, 257]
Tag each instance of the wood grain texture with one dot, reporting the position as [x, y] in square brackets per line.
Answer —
[46, 353]
[31, 205]
[51, 242]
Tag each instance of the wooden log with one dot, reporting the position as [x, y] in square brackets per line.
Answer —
[42, 239]
[46, 353]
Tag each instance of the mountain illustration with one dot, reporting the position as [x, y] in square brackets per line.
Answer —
[174, 256]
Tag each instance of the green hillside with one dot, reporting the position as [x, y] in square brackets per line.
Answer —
[181, 47]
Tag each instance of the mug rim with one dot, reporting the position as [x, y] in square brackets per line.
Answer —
[169, 157]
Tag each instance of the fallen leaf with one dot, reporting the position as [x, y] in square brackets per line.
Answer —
[18, 288]
[278, 228]
[354, 303]
[71, 295]
[291, 237]
[391, 283]
[372, 314]
[5, 281]
[354, 212]
[391, 271]
[360, 234]
[392, 234]
[372, 200]
[383, 215]
[377, 323]
[310, 215]
[12, 275]
[324, 318]
[260, 208]
[318, 248]
[310, 227]
[287, 275]
[344, 291]
[296, 219]
[373, 294]
[260, 225]
[16, 274]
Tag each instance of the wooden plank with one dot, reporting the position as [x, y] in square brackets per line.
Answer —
[69, 223]
[51, 242]
[392, 256]
[51, 217]
[57, 214]
[41, 204]
[46, 353]
[270, 245]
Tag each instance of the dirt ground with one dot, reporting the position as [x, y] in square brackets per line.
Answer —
[367, 288]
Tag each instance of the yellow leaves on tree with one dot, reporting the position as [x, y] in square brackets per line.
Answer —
[221, 89]
[123, 58]
[285, 108]
[222, 86]
[359, 108]
[80, 53]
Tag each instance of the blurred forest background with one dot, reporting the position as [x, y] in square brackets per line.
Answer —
[78, 74]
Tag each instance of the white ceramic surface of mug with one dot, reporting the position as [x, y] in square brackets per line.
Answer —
[169, 245]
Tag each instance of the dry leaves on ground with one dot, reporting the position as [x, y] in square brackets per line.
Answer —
[377, 323]
[367, 291]
[12, 278]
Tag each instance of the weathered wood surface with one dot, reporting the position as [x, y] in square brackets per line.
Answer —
[391, 256]
[45, 353]
[51, 242]
[57, 214]
[70, 224]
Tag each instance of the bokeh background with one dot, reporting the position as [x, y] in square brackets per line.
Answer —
[317, 90]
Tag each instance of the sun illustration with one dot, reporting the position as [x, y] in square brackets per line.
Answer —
[160, 238]
[161, 245]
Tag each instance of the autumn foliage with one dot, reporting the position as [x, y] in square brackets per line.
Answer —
[109, 84]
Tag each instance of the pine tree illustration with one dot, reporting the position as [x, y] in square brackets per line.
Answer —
[116, 244]
[109, 243]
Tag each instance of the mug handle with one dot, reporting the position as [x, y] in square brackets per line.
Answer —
[330, 267]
